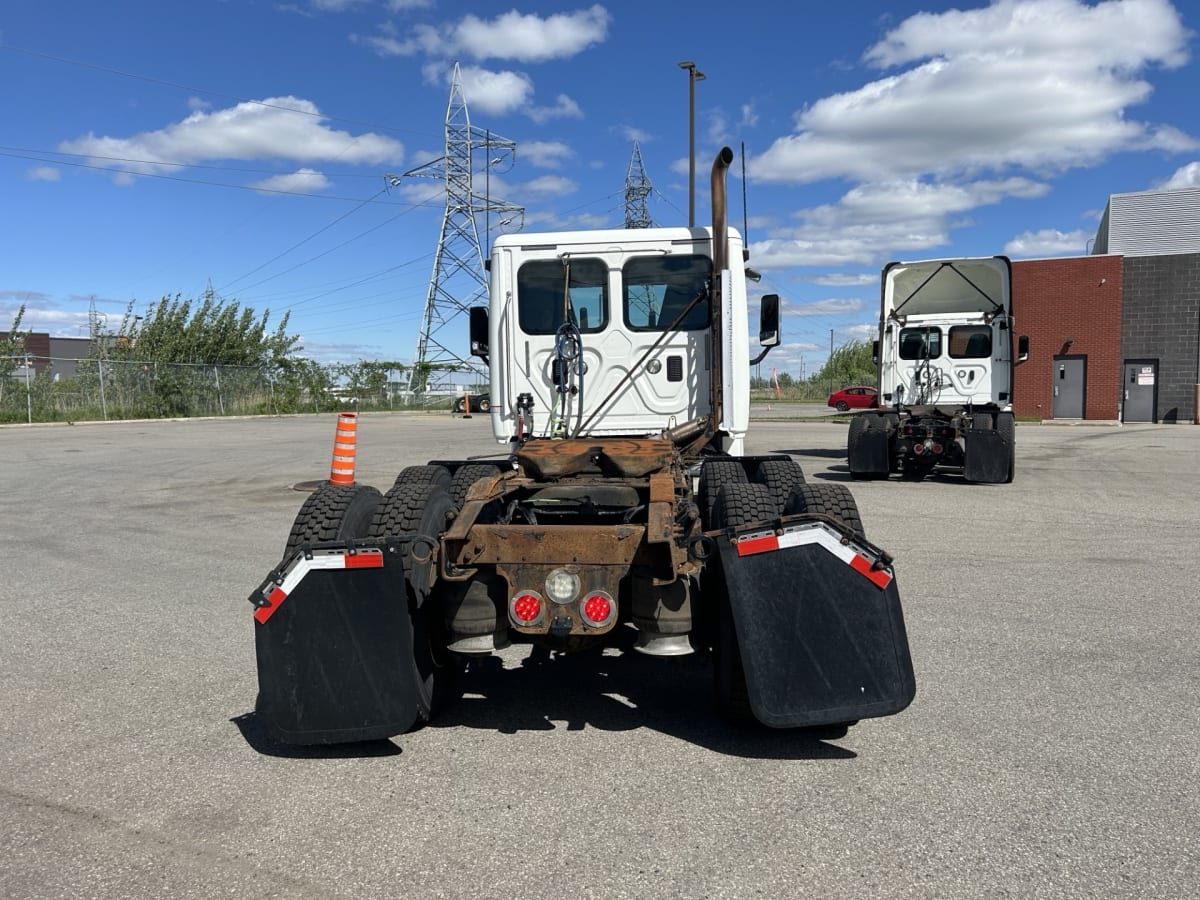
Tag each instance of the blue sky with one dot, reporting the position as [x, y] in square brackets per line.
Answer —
[155, 148]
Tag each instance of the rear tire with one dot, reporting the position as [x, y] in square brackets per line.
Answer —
[464, 477]
[842, 406]
[438, 475]
[833, 500]
[781, 477]
[713, 474]
[485, 405]
[333, 512]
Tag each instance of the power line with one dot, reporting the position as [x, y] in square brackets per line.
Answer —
[302, 242]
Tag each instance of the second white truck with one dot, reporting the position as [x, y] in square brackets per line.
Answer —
[946, 352]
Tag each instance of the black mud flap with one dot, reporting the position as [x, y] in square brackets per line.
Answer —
[819, 625]
[986, 457]
[871, 453]
[334, 638]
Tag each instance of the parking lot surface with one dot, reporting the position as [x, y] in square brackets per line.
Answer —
[1052, 750]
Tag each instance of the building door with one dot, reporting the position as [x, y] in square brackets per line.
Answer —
[1069, 377]
[1141, 386]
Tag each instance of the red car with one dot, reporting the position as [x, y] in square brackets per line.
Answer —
[855, 397]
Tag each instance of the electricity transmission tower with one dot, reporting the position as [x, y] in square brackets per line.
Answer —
[637, 189]
[458, 281]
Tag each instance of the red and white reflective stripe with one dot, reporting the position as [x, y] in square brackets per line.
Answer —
[363, 559]
[770, 540]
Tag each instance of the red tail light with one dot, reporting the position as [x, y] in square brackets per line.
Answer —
[597, 609]
[526, 608]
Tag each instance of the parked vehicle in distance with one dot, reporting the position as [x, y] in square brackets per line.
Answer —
[855, 397]
[479, 404]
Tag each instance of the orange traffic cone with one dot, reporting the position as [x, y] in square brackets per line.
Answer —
[341, 470]
[466, 405]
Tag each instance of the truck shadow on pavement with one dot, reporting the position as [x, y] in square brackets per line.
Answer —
[619, 690]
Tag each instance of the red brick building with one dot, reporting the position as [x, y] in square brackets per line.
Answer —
[1071, 310]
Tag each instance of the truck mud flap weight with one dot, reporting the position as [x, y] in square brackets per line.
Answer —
[334, 639]
[870, 454]
[986, 457]
[819, 626]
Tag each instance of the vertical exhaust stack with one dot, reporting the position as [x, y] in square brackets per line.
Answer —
[720, 256]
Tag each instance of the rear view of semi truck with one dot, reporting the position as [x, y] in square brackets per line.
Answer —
[619, 386]
[946, 352]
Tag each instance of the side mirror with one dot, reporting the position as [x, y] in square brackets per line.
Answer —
[1023, 348]
[479, 331]
[768, 321]
[875, 352]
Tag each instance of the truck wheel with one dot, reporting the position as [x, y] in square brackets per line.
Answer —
[781, 477]
[438, 475]
[713, 474]
[736, 504]
[422, 509]
[485, 405]
[464, 477]
[833, 500]
[333, 512]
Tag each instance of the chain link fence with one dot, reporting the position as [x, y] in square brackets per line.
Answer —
[37, 389]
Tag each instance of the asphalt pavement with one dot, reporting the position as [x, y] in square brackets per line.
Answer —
[1052, 750]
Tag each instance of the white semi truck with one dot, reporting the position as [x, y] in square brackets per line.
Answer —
[946, 355]
[619, 384]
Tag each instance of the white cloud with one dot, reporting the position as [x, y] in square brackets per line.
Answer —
[875, 220]
[284, 128]
[548, 186]
[1048, 242]
[302, 181]
[492, 93]
[1184, 177]
[43, 173]
[525, 38]
[1039, 84]
[830, 307]
[545, 154]
[845, 279]
[564, 108]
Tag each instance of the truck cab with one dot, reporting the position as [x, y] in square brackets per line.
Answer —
[607, 333]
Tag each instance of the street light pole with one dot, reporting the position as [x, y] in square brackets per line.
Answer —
[694, 75]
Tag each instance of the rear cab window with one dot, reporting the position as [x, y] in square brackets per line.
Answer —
[544, 285]
[658, 288]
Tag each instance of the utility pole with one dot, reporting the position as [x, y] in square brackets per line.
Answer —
[458, 281]
[637, 189]
[694, 75]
